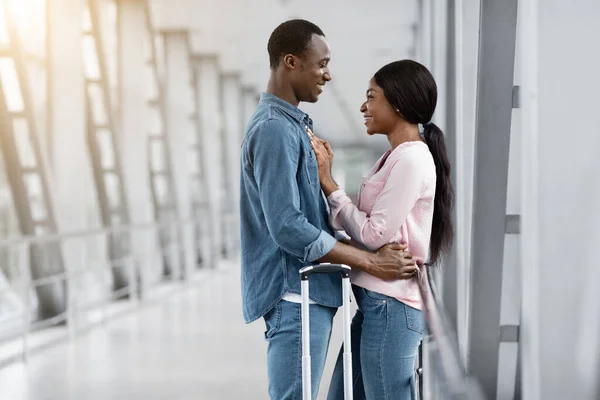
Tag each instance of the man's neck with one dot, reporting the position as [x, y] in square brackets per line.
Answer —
[278, 86]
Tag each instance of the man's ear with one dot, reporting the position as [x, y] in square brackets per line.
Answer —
[290, 61]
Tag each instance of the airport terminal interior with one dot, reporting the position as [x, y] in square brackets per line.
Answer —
[121, 123]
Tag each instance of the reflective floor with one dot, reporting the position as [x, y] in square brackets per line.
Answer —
[192, 345]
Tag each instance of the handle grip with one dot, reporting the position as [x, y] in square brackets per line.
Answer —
[325, 268]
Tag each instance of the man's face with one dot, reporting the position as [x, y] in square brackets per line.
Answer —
[311, 70]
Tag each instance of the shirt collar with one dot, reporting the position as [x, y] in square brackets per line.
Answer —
[292, 111]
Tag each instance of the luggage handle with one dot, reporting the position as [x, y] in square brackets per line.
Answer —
[305, 273]
[326, 268]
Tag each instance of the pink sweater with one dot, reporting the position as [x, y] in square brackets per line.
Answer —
[395, 205]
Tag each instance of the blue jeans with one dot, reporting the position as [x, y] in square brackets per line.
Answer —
[284, 354]
[385, 339]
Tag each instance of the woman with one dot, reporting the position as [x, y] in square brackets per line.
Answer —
[407, 197]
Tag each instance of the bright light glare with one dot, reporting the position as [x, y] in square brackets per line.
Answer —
[29, 18]
[3, 32]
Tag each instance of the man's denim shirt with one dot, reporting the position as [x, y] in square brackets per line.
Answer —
[283, 214]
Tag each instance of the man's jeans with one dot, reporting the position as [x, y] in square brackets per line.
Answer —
[284, 355]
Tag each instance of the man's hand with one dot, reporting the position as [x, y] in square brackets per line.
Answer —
[391, 262]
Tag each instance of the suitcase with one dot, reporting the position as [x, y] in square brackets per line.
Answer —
[305, 274]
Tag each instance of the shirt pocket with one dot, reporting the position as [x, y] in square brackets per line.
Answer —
[311, 168]
[369, 192]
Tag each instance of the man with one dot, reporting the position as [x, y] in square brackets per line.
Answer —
[284, 217]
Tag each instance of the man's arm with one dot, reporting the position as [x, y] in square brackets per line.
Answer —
[350, 242]
[274, 153]
[388, 263]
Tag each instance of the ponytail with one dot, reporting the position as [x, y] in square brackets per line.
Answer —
[442, 232]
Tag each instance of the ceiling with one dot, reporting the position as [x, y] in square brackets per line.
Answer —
[363, 36]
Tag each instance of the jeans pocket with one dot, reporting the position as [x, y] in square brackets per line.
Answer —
[272, 321]
[374, 295]
[415, 320]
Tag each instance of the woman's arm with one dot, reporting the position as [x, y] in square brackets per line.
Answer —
[398, 197]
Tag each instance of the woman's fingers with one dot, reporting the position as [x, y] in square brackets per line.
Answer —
[315, 137]
[327, 147]
[317, 148]
[320, 146]
[314, 147]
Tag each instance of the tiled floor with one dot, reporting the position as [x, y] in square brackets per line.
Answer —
[193, 345]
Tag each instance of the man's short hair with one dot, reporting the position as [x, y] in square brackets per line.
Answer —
[291, 37]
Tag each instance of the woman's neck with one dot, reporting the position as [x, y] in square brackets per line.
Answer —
[404, 132]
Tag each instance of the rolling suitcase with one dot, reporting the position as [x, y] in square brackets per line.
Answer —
[305, 274]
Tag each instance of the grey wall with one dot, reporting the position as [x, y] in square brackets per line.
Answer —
[569, 128]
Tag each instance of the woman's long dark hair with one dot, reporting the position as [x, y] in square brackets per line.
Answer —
[411, 90]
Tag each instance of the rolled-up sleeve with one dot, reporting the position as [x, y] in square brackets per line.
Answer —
[274, 151]
[320, 247]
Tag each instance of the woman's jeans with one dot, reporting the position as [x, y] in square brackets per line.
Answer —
[385, 339]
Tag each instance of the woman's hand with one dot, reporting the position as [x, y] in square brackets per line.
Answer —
[324, 156]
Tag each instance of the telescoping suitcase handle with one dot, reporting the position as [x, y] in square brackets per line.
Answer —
[305, 274]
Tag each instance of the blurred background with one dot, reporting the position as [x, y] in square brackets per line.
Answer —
[120, 128]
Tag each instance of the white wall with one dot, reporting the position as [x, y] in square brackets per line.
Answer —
[568, 84]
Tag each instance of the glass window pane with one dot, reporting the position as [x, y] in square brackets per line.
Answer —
[24, 149]
[90, 58]
[10, 83]
[107, 158]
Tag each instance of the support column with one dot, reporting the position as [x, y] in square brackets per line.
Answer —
[134, 112]
[452, 144]
[233, 131]
[180, 131]
[494, 112]
[426, 32]
[72, 179]
[466, 67]
[250, 99]
[208, 92]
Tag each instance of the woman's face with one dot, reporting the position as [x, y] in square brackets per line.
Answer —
[379, 115]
